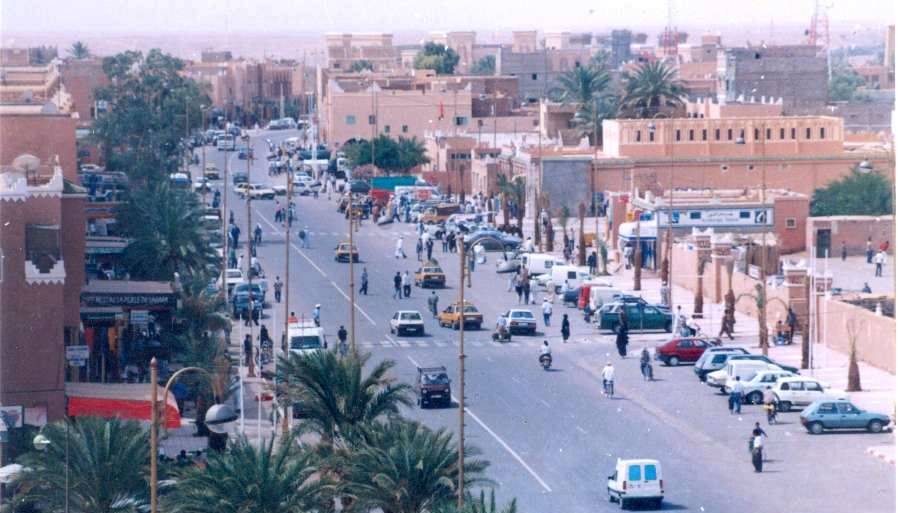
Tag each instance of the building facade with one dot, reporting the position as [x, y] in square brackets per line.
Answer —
[795, 73]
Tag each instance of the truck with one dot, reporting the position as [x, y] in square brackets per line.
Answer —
[305, 337]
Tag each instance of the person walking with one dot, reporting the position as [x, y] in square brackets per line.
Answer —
[565, 328]
[406, 284]
[869, 250]
[364, 288]
[547, 311]
[519, 287]
[866, 289]
[446, 243]
[302, 238]
[432, 303]
[400, 252]
[736, 396]
[248, 355]
[419, 249]
[791, 322]
[591, 262]
[429, 246]
[844, 251]
[525, 289]
[879, 259]
[278, 286]
[757, 450]
[622, 340]
[397, 286]
[341, 337]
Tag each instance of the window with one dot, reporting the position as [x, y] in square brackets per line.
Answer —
[404, 129]
[651, 473]
[742, 133]
[695, 215]
[807, 133]
[791, 223]
[767, 134]
[813, 387]
[461, 121]
[744, 214]
[534, 77]
[651, 136]
[691, 134]
[684, 343]
[793, 133]
[386, 129]
[639, 136]
[372, 119]
[782, 133]
[846, 408]
[729, 134]
[757, 134]
[704, 134]
[634, 473]
[716, 134]
[827, 408]
[42, 245]
[350, 120]
[822, 133]
[678, 134]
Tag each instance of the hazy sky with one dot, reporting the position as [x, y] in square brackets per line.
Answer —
[204, 16]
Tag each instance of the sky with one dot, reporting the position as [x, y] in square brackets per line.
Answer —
[241, 16]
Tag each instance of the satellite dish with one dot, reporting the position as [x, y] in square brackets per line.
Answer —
[26, 163]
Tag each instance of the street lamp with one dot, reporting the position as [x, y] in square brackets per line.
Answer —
[41, 442]
[218, 417]
[865, 167]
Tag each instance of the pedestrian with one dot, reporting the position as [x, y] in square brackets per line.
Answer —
[565, 328]
[302, 237]
[432, 302]
[406, 285]
[547, 311]
[511, 279]
[591, 262]
[519, 287]
[399, 250]
[866, 289]
[879, 259]
[472, 260]
[419, 249]
[736, 396]
[364, 288]
[525, 289]
[884, 246]
[844, 251]
[248, 353]
[278, 285]
[727, 323]
[530, 290]
[791, 322]
[445, 243]
[429, 246]
[869, 250]
[397, 286]
[623, 333]
[757, 450]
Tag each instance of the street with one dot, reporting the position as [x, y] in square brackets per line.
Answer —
[551, 437]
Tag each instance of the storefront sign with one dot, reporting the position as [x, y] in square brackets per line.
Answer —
[128, 300]
[12, 416]
[77, 355]
[717, 217]
[140, 317]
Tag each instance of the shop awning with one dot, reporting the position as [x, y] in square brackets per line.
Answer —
[122, 400]
[101, 313]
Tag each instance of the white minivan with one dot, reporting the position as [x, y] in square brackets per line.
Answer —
[572, 274]
[305, 337]
[540, 263]
[636, 481]
[745, 369]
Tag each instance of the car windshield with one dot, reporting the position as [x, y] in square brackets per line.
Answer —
[410, 316]
[470, 309]
[432, 270]
[435, 379]
[305, 342]
[522, 315]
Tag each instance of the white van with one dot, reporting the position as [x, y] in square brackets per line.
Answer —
[636, 481]
[572, 274]
[305, 337]
[226, 143]
[601, 293]
[539, 263]
[745, 369]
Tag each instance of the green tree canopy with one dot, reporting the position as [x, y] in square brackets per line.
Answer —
[653, 86]
[437, 57]
[391, 155]
[108, 463]
[484, 66]
[845, 84]
[856, 194]
[79, 50]
[589, 87]
[150, 101]
[361, 65]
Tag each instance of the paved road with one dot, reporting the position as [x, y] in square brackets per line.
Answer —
[550, 436]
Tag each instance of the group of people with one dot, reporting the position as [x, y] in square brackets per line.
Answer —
[402, 285]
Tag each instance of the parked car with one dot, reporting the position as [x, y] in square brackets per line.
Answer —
[743, 368]
[451, 316]
[201, 185]
[238, 177]
[745, 356]
[520, 321]
[492, 240]
[433, 386]
[430, 275]
[800, 391]
[714, 358]
[841, 414]
[636, 481]
[344, 252]
[211, 172]
[258, 191]
[641, 316]
[407, 321]
[684, 349]
[233, 277]
[753, 387]
[241, 298]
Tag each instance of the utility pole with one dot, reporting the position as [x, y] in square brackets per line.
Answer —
[225, 225]
[249, 269]
[351, 282]
[285, 339]
[461, 377]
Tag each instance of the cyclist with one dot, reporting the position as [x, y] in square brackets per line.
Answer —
[608, 380]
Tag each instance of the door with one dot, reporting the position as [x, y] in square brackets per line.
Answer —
[634, 480]
[685, 349]
[848, 416]
[812, 391]
[824, 241]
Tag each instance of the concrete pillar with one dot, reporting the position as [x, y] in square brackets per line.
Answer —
[796, 274]
[721, 254]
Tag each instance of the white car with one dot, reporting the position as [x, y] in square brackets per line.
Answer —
[200, 185]
[753, 389]
[280, 190]
[240, 189]
[407, 321]
[801, 391]
[305, 188]
[211, 172]
[305, 337]
[520, 321]
[233, 277]
[258, 191]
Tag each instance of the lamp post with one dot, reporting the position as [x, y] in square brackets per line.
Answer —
[218, 417]
[667, 263]
[203, 109]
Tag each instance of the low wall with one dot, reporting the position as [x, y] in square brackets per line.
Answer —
[875, 341]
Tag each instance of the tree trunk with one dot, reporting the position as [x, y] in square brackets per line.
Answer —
[699, 303]
[763, 338]
[581, 254]
[504, 212]
[805, 327]
[550, 235]
[854, 373]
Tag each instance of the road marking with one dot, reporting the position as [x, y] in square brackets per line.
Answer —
[402, 343]
[497, 438]
[420, 343]
[393, 342]
[440, 344]
[580, 429]
[547, 405]
[357, 307]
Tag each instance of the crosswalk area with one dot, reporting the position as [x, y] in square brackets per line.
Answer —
[531, 342]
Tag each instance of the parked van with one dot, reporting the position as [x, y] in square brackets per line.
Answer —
[601, 293]
[226, 143]
[540, 263]
[572, 274]
[305, 337]
[636, 481]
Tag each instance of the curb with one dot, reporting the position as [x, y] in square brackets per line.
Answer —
[882, 455]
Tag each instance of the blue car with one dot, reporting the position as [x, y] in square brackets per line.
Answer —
[841, 414]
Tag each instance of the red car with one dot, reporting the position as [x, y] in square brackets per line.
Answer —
[684, 349]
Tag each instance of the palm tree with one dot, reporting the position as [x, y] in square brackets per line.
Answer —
[168, 235]
[588, 87]
[479, 505]
[503, 185]
[337, 399]
[79, 50]
[581, 214]
[405, 467]
[651, 87]
[261, 480]
[108, 464]
[516, 190]
[411, 153]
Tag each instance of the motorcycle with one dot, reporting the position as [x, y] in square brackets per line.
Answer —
[502, 335]
[546, 361]
[647, 372]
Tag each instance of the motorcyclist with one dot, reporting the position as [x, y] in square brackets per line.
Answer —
[257, 233]
[316, 315]
[608, 379]
[501, 328]
[770, 404]
[545, 351]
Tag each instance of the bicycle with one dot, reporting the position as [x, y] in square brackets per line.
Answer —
[608, 388]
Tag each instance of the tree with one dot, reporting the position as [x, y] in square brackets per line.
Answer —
[650, 88]
[484, 66]
[361, 65]
[437, 57]
[167, 234]
[845, 84]
[246, 478]
[502, 184]
[390, 155]
[514, 190]
[581, 215]
[150, 102]
[588, 87]
[411, 153]
[405, 467]
[854, 372]
[856, 194]
[108, 464]
[336, 395]
[479, 504]
[79, 50]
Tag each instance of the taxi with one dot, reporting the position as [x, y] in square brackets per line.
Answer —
[453, 313]
[344, 251]
[430, 275]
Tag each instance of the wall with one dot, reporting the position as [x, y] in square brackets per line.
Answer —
[483, 176]
[854, 231]
[563, 180]
[504, 124]
[876, 333]
[80, 78]
[43, 136]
